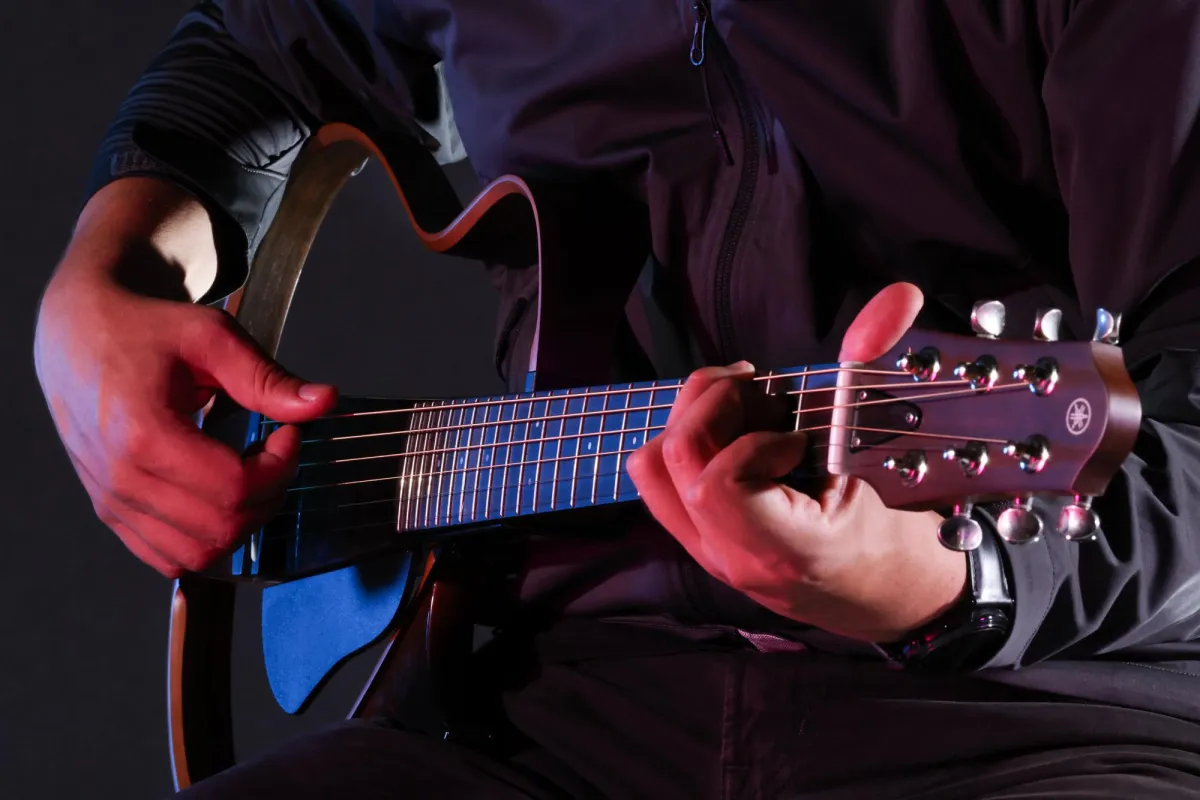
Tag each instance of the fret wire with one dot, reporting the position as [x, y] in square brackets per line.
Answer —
[446, 478]
[649, 414]
[479, 467]
[462, 496]
[537, 469]
[487, 505]
[575, 457]
[418, 490]
[435, 421]
[415, 461]
[620, 444]
[599, 446]
[800, 400]
[508, 448]
[524, 455]
[436, 416]
[558, 451]
[402, 489]
[455, 468]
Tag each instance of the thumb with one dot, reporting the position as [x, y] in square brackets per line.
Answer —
[230, 359]
[882, 322]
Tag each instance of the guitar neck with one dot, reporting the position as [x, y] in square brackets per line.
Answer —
[431, 465]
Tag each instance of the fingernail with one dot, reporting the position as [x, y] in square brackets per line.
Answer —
[740, 366]
[310, 391]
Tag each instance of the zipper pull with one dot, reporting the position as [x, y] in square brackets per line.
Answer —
[698, 31]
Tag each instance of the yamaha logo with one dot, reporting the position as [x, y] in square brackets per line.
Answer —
[1079, 416]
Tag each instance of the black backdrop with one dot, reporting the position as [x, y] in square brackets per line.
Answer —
[82, 624]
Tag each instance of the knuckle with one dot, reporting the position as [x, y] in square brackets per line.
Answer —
[139, 442]
[123, 481]
[195, 557]
[230, 529]
[104, 513]
[674, 448]
[267, 377]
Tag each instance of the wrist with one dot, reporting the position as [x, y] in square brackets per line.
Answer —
[936, 579]
[970, 631]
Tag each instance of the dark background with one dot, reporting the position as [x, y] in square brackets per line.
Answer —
[83, 625]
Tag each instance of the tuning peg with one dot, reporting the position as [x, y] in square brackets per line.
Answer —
[1108, 327]
[1041, 376]
[982, 373]
[1033, 453]
[959, 532]
[987, 318]
[911, 467]
[972, 457]
[1019, 524]
[923, 366]
[1046, 324]
[1078, 522]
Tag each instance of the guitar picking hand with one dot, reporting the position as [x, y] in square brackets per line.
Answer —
[124, 372]
[839, 560]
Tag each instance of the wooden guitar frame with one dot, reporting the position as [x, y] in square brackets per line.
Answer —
[509, 222]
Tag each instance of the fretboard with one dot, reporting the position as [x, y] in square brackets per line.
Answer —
[379, 467]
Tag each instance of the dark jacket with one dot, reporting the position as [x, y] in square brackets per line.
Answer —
[793, 158]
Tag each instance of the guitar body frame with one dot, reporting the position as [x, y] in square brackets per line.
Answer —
[579, 316]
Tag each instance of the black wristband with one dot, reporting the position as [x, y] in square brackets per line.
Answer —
[974, 630]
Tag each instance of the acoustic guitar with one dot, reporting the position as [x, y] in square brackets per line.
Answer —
[941, 422]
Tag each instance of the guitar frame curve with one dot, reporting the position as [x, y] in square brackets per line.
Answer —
[199, 657]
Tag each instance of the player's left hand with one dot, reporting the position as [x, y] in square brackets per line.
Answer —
[839, 560]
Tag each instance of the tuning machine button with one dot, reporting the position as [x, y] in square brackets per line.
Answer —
[987, 318]
[1108, 327]
[982, 373]
[972, 457]
[1041, 376]
[911, 467]
[1078, 522]
[959, 532]
[923, 365]
[1019, 524]
[1033, 453]
[1046, 324]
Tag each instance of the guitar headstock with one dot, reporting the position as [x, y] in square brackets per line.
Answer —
[946, 420]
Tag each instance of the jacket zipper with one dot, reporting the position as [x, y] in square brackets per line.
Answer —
[746, 184]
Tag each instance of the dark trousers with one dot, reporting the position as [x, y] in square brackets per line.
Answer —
[737, 723]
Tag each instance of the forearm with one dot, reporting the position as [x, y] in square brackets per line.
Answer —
[1138, 583]
[147, 235]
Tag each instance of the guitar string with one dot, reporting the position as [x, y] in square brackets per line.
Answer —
[443, 473]
[520, 506]
[587, 434]
[573, 414]
[491, 468]
[540, 484]
[662, 385]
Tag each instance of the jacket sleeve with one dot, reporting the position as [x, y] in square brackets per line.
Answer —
[1122, 98]
[225, 106]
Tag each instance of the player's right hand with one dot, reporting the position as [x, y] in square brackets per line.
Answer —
[123, 375]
